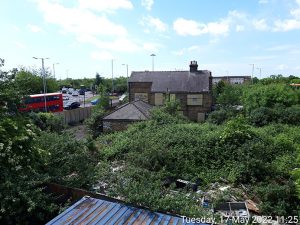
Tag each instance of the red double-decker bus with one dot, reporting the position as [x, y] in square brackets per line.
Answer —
[36, 103]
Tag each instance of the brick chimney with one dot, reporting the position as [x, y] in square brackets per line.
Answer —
[193, 66]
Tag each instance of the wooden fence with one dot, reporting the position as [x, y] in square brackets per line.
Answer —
[75, 115]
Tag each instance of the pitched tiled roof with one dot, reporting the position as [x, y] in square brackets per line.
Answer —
[136, 110]
[174, 81]
[96, 211]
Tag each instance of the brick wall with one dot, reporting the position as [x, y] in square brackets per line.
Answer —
[189, 111]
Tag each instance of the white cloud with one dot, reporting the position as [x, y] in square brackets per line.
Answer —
[239, 28]
[186, 27]
[260, 25]
[147, 4]
[295, 13]
[103, 55]
[286, 25]
[193, 48]
[34, 28]
[234, 19]
[79, 21]
[152, 22]
[292, 23]
[105, 5]
[97, 30]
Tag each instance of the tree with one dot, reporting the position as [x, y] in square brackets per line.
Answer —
[98, 80]
[21, 199]
[271, 95]
[230, 95]
[29, 83]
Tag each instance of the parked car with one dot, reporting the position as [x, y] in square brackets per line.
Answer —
[66, 98]
[70, 91]
[64, 90]
[95, 101]
[123, 96]
[81, 91]
[71, 105]
[75, 93]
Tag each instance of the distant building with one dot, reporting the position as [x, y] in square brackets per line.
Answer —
[126, 114]
[193, 89]
[232, 79]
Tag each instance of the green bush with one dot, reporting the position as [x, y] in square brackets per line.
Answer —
[67, 161]
[94, 123]
[270, 96]
[278, 199]
[167, 114]
[47, 121]
[291, 115]
[222, 115]
[279, 114]
[235, 151]
[262, 116]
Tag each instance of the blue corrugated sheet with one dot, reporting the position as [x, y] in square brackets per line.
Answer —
[96, 211]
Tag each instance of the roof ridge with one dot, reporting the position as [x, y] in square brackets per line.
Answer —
[139, 108]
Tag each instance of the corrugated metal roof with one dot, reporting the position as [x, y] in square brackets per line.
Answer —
[96, 211]
[174, 81]
[136, 110]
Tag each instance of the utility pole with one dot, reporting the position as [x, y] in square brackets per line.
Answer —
[152, 55]
[259, 72]
[54, 69]
[44, 81]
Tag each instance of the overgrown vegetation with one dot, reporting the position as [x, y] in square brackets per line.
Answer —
[251, 143]
[34, 150]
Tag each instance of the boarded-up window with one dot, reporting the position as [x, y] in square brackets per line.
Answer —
[196, 99]
[141, 96]
[159, 98]
[201, 117]
[172, 97]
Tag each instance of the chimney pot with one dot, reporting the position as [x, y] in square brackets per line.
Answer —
[193, 66]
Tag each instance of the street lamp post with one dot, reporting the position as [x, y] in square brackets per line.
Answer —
[54, 69]
[126, 75]
[152, 61]
[67, 72]
[44, 80]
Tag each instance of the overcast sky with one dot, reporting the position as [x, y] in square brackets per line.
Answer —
[83, 36]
